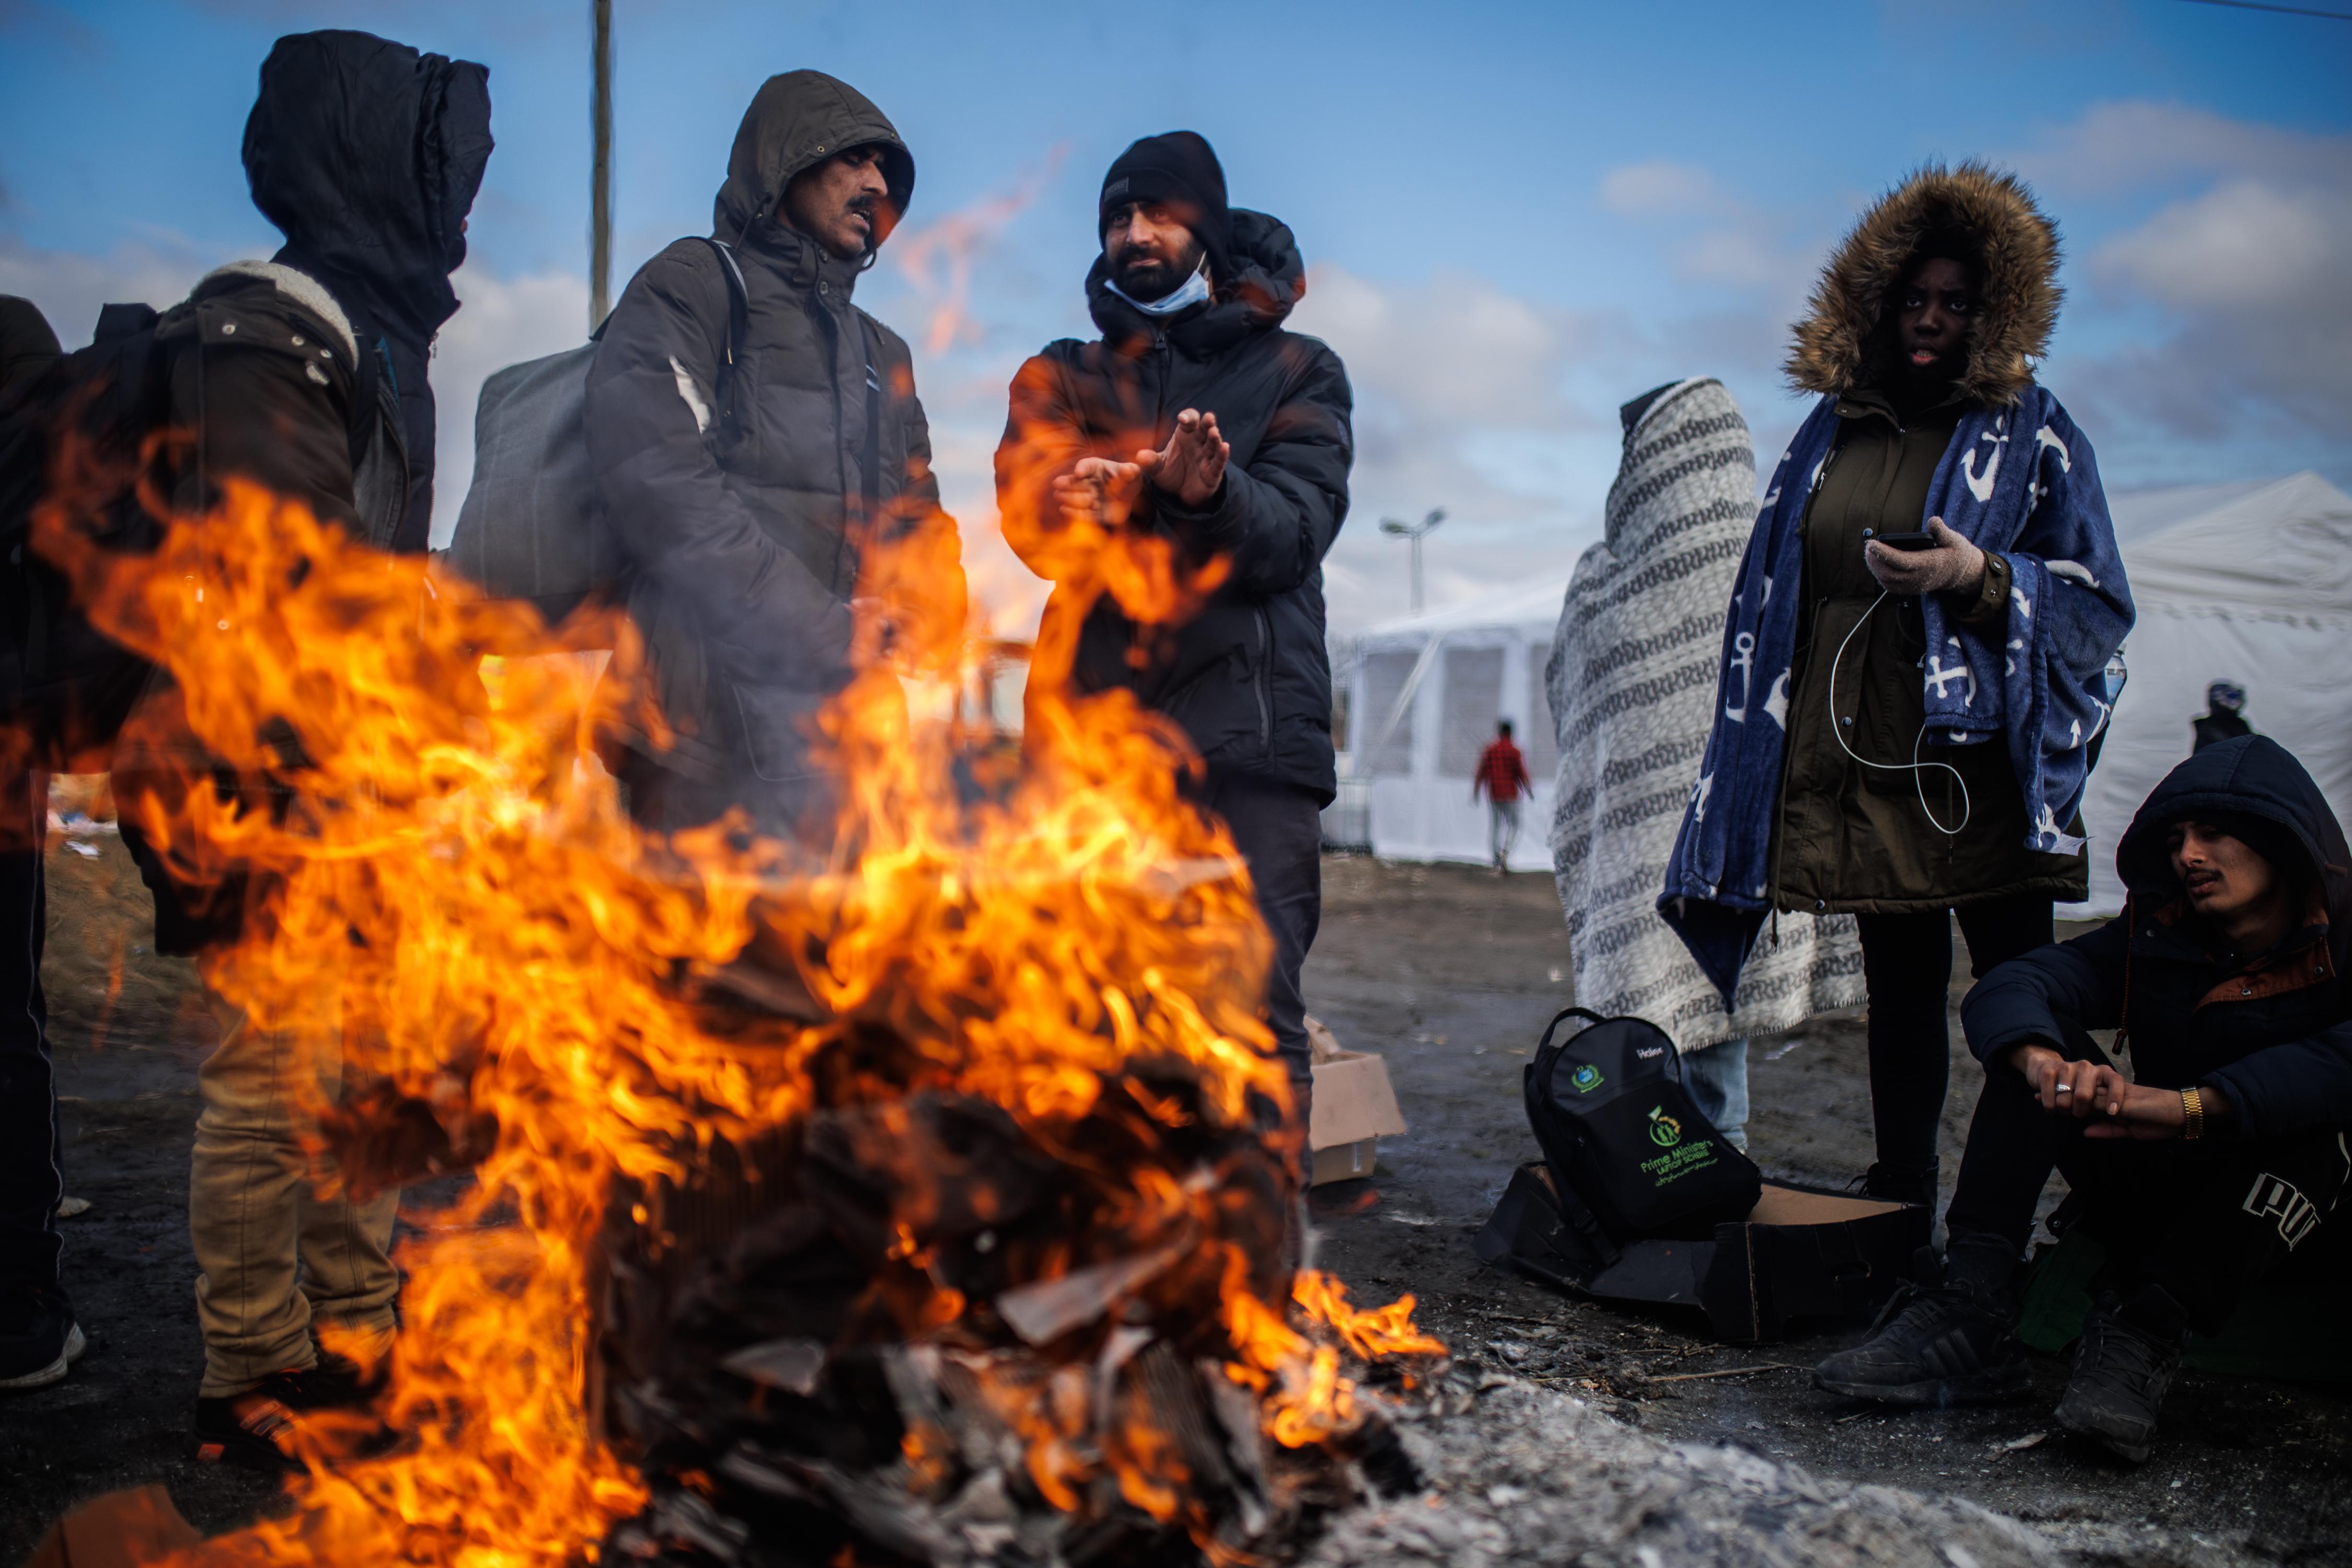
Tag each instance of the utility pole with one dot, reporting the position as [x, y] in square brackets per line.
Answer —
[1416, 532]
[600, 167]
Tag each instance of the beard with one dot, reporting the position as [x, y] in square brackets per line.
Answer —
[1143, 274]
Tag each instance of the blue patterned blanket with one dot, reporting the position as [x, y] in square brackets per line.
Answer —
[2021, 481]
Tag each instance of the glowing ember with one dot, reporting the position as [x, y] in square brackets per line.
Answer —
[1056, 950]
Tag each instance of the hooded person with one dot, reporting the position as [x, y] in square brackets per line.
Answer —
[306, 374]
[754, 489]
[1631, 681]
[2220, 1160]
[2224, 718]
[1198, 430]
[1901, 730]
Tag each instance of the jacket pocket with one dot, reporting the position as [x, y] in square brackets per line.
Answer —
[779, 730]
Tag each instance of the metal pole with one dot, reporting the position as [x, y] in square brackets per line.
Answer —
[1416, 574]
[600, 169]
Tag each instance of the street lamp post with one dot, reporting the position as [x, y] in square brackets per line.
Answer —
[1416, 532]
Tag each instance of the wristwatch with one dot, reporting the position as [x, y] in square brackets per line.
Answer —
[2192, 1113]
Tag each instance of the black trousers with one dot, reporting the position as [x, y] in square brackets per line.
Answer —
[1278, 829]
[2202, 1220]
[1907, 964]
[31, 1140]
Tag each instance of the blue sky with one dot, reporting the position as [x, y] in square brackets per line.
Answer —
[1516, 216]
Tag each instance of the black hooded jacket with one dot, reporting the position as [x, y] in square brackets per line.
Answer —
[746, 539]
[1248, 677]
[367, 155]
[2271, 1031]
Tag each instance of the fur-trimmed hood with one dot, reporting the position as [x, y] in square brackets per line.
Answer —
[2019, 282]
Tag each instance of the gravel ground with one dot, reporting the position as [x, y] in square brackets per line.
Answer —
[1572, 1446]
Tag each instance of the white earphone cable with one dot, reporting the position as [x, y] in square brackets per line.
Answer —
[1914, 767]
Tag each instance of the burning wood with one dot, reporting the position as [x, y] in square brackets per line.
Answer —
[917, 1204]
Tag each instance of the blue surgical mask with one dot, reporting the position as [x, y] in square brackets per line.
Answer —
[1187, 294]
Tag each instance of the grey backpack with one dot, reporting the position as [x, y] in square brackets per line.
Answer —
[533, 527]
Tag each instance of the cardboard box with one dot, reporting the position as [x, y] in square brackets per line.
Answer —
[1354, 1108]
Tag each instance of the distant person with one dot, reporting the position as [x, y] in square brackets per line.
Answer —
[748, 520]
[1900, 730]
[2220, 1160]
[1631, 687]
[1502, 772]
[2223, 718]
[1195, 418]
[38, 1335]
[307, 374]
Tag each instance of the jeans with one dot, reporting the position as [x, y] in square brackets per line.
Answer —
[1907, 961]
[31, 1142]
[1502, 830]
[2200, 1220]
[254, 1218]
[1716, 1076]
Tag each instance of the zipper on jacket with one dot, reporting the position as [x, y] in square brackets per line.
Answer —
[1263, 685]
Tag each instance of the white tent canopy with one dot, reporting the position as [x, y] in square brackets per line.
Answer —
[2249, 581]
[1423, 701]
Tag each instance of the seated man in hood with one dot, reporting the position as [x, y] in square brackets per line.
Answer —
[773, 495]
[1197, 432]
[2220, 1160]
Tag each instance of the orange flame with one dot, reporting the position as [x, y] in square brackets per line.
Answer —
[452, 900]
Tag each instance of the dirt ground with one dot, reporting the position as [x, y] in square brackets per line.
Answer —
[1451, 973]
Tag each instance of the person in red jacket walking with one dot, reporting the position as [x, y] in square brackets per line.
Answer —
[1503, 774]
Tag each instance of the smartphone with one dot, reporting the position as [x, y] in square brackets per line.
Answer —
[1922, 540]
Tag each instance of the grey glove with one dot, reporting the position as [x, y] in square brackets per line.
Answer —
[1954, 567]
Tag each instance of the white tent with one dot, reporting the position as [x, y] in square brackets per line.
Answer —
[2249, 581]
[1422, 704]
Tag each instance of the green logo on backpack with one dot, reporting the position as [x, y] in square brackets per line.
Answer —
[1664, 1130]
[1585, 1078]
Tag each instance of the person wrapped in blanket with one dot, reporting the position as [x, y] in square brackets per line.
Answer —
[2218, 1162]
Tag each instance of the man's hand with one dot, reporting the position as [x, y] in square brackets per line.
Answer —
[2093, 1092]
[1191, 468]
[1953, 566]
[1097, 491]
[872, 631]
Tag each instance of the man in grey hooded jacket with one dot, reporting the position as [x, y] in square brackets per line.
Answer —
[749, 482]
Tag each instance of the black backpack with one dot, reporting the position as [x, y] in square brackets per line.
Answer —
[85, 421]
[1621, 1132]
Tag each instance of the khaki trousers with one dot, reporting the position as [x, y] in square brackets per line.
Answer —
[273, 1258]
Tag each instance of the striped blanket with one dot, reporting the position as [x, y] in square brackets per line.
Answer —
[1632, 682]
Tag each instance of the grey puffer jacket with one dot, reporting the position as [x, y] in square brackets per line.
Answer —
[746, 536]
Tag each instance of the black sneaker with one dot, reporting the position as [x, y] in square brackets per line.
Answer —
[2124, 1366]
[38, 1336]
[1935, 1344]
[289, 1414]
[1888, 1185]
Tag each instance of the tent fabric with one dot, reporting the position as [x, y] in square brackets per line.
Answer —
[2244, 582]
[1423, 689]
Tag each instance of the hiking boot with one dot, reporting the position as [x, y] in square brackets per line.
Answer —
[2124, 1366]
[1943, 1339]
[38, 1336]
[1890, 1185]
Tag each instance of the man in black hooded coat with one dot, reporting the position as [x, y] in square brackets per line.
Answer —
[1197, 419]
[750, 520]
[306, 374]
[2223, 1158]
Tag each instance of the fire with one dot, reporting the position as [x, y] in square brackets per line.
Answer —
[464, 911]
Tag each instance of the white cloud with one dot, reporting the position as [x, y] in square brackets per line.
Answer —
[1661, 188]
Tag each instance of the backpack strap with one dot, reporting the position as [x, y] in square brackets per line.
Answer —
[739, 326]
[870, 459]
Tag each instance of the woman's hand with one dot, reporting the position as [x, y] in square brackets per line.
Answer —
[1953, 566]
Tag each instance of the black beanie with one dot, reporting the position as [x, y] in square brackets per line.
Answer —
[1179, 170]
